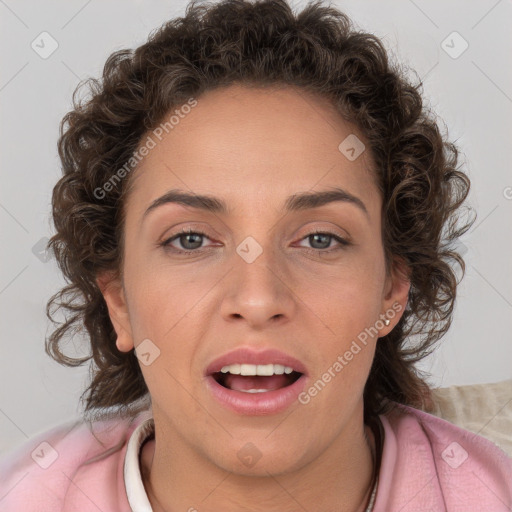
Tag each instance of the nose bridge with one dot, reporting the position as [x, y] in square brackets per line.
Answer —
[256, 288]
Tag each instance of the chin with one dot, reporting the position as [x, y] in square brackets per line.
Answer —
[248, 460]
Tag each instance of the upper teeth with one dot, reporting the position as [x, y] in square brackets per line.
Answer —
[256, 369]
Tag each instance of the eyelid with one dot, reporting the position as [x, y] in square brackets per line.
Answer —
[194, 228]
[184, 231]
[332, 230]
[187, 228]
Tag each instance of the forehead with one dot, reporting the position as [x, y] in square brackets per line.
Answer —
[245, 143]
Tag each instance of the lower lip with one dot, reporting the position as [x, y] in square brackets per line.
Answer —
[269, 402]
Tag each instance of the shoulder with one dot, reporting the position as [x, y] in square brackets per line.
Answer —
[73, 466]
[430, 463]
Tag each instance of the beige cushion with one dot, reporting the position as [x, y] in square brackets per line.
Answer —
[485, 409]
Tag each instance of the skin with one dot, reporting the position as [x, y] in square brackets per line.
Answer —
[253, 148]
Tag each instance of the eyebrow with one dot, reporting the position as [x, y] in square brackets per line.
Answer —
[296, 202]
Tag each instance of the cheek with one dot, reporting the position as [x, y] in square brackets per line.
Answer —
[346, 304]
[349, 293]
[159, 295]
[164, 305]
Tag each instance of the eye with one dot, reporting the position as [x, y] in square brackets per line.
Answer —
[191, 242]
[324, 239]
[186, 237]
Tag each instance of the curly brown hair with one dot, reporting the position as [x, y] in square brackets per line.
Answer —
[257, 44]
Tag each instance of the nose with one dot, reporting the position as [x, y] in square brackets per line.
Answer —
[258, 292]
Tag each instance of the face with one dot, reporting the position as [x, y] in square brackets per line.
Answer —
[256, 277]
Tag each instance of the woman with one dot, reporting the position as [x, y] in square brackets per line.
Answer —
[256, 219]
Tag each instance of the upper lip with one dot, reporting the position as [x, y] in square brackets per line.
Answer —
[245, 355]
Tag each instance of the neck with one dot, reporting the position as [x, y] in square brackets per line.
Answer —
[174, 484]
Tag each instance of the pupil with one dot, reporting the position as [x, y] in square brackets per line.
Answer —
[198, 243]
[324, 236]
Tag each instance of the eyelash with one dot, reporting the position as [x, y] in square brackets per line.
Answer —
[166, 243]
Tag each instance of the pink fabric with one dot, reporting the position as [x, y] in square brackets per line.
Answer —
[429, 464]
[87, 474]
[422, 468]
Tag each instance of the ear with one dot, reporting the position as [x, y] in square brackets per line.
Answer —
[396, 294]
[114, 295]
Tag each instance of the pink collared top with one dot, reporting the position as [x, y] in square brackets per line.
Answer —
[427, 464]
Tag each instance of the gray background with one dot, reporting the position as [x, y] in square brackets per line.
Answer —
[471, 93]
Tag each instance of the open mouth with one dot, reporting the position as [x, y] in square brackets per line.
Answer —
[256, 383]
[250, 382]
[256, 388]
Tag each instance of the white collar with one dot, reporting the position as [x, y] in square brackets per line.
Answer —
[137, 497]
